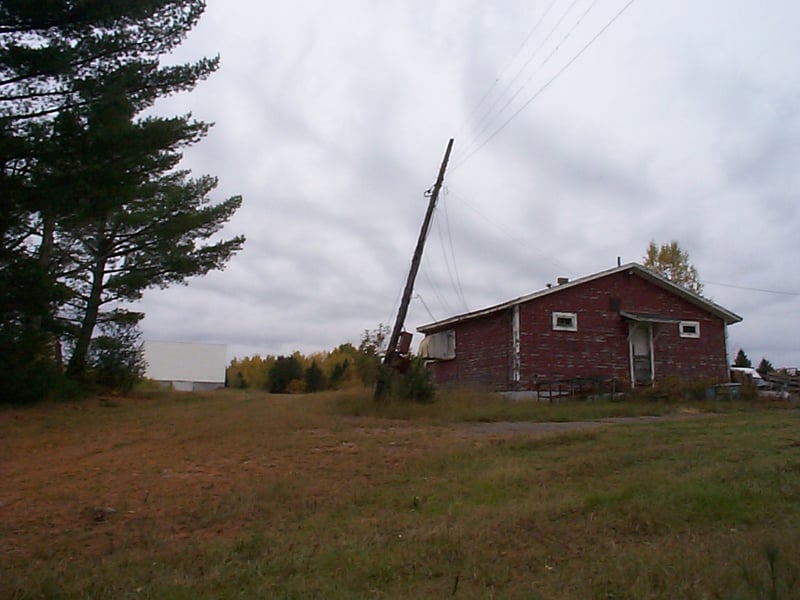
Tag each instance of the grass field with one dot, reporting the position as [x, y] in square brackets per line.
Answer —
[244, 495]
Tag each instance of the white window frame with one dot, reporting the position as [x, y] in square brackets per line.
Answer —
[689, 334]
[565, 315]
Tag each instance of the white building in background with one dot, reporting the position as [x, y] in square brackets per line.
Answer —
[187, 367]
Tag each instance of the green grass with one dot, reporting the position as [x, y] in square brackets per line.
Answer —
[469, 406]
[293, 497]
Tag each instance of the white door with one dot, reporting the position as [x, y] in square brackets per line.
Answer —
[641, 351]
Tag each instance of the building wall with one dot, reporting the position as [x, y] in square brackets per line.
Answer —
[184, 364]
[197, 386]
[483, 354]
[599, 347]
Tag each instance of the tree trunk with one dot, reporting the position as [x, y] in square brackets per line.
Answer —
[76, 369]
[45, 258]
[48, 235]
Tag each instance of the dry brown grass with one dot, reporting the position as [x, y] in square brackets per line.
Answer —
[243, 494]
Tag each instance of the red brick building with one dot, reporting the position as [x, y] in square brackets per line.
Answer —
[627, 324]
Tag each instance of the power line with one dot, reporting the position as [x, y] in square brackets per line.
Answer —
[751, 289]
[395, 305]
[487, 120]
[546, 85]
[508, 65]
[457, 283]
[509, 234]
[442, 300]
[444, 253]
[419, 296]
[519, 71]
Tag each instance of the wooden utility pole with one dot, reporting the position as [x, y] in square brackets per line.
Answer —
[391, 349]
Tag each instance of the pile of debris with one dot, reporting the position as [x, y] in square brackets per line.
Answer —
[785, 380]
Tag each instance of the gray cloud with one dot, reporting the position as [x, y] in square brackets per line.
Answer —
[331, 123]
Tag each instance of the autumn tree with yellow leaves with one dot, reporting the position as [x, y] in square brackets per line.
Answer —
[672, 262]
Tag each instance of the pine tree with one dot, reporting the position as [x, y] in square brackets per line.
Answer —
[313, 378]
[765, 367]
[95, 209]
[742, 360]
[59, 54]
[142, 220]
[285, 370]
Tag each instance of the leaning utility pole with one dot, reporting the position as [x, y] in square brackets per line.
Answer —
[412, 275]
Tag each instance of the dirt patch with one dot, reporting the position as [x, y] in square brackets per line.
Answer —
[88, 478]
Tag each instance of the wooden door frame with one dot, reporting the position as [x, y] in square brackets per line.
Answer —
[632, 326]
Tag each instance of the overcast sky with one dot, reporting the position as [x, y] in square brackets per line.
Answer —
[680, 121]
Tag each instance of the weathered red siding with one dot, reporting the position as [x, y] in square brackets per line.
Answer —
[484, 353]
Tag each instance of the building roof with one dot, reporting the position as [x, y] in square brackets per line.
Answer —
[633, 268]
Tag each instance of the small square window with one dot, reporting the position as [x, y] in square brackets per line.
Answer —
[564, 321]
[689, 329]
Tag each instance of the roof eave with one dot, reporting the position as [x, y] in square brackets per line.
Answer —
[727, 316]
[723, 313]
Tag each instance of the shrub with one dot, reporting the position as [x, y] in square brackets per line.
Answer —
[411, 383]
[295, 386]
[415, 384]
[675, 389]
[116, 357]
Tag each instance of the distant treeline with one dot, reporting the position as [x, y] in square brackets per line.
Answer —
[345, 366]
